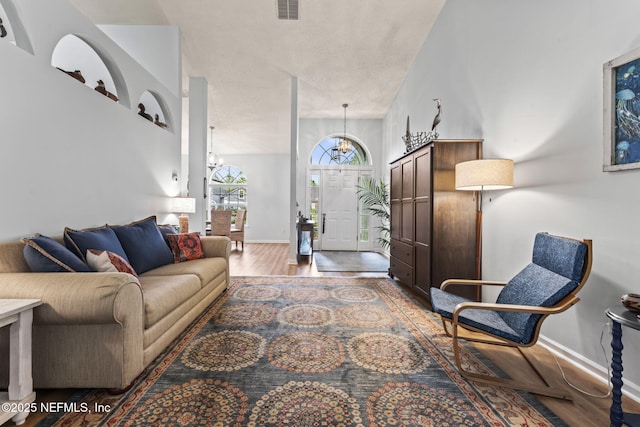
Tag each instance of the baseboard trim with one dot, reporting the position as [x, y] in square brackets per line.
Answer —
[600, 373]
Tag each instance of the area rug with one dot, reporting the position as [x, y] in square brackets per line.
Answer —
[351, 261]
[294, 351]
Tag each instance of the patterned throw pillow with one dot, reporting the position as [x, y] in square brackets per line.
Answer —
[106, 261]
[185, 246]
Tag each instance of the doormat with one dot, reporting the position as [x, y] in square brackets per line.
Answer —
[297, 351]
[351, 261]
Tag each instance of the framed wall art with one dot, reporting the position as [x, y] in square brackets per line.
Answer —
[622, 112]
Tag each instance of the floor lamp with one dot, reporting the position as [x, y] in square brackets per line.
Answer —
[482, 175]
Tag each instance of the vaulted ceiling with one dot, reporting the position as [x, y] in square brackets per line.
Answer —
[341, 51]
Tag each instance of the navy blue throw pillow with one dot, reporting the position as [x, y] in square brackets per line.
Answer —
[101, 238]
[167, 229]
[44, 254]
[144, 244]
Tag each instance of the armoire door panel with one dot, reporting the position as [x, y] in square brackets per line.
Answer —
[407, 178]
[423, 222]
[396, 183]
[396, 219]
[406, 224]
[423, 174]
[422, 269]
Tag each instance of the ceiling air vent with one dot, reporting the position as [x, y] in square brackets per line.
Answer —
[288, 9]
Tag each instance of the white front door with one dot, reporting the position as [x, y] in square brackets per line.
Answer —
[339, 222]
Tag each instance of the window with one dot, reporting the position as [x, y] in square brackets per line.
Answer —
[314, 203]
[327, 153]
[228, 188]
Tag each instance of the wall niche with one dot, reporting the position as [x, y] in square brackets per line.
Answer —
[90, 67]
[11, 29]
[153, 108]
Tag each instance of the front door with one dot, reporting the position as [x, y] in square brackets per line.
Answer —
[339, 222]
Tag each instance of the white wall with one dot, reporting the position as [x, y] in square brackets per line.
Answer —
[70, 156]
[267, 195]
[144, 42]
[527, 77]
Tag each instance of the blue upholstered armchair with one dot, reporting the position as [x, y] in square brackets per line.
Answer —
[559, 268]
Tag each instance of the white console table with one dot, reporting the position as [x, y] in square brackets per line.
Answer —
[17, 314]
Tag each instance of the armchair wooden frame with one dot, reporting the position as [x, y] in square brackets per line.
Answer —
[547, 389]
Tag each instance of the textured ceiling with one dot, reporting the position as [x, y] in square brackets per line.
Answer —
[341, 51]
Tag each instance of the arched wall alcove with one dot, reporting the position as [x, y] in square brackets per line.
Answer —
[15, 32]
[85, 59]
[156, 108]
[114, 71]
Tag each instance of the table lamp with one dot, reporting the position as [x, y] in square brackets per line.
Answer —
[183, 206]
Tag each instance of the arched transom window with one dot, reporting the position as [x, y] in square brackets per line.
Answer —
[328, 153]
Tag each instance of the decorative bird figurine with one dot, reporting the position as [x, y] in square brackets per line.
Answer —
[101, 88]
[159, 123]
[76, 74]
[3, 31]
[437, 118]
[143, 114]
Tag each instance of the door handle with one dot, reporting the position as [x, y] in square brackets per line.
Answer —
[324, 220]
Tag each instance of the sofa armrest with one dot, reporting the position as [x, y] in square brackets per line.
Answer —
[216, 246]
[78, 298]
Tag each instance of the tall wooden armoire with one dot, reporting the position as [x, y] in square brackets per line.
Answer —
[433, 226]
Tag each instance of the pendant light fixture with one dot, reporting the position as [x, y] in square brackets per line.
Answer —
[344, 145]
[213, 160]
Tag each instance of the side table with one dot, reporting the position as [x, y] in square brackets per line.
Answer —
[18, 315]
[620, 316]
[305, 239]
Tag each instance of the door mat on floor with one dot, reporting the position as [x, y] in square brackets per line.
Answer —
[298, 351]
[351, 261]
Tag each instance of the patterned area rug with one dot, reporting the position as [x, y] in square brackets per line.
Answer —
[351, 261]
[275, 351]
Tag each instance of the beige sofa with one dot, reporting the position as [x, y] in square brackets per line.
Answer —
[101, 330]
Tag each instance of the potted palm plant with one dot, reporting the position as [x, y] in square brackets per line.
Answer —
[374, 196]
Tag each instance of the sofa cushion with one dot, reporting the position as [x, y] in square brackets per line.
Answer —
[144, 245]
[101, 238]
[162, 295]
[444, 303]
[534, 286]
[44, 254]
[106, 261]
[185, 246]
[207, 269]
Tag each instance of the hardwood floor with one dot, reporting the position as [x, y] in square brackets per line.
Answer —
[272, 259]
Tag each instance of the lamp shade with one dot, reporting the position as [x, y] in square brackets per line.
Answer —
[183, 205]
[484, 174]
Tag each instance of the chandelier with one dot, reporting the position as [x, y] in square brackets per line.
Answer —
[343, 144]
[213, 160]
